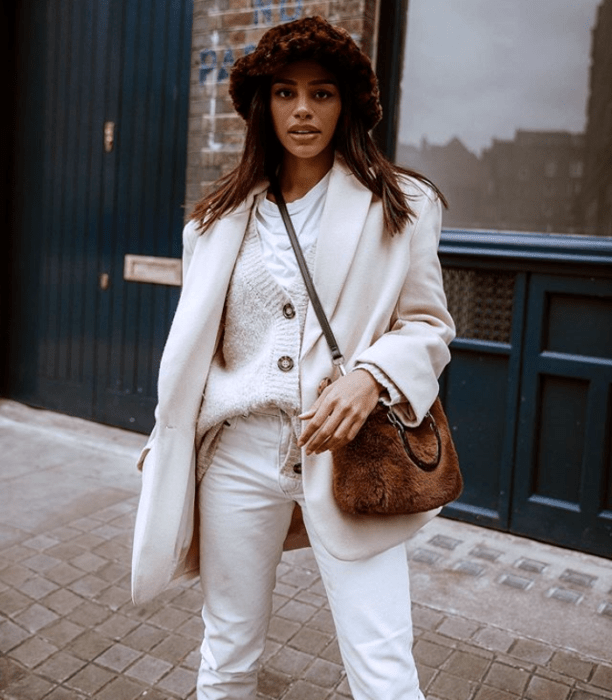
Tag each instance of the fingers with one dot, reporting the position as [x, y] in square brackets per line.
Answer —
[337, 415]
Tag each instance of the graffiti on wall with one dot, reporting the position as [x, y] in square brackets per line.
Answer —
[215, 64]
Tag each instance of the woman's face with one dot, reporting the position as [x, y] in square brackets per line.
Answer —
[305, 105]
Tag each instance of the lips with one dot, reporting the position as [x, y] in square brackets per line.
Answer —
[304, 131]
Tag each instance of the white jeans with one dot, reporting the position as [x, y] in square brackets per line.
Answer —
[246, 502]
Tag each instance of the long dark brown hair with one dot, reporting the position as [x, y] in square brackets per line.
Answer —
[262, 154]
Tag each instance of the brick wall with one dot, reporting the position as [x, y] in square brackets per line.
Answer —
[222, 31]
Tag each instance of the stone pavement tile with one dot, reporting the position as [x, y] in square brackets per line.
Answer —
[173, 648]
[278, 601]
[65, 551]
[61, 632]
[493, 639]
[10, 673]
[487, 693]
[16, 553]
[121, 689]
[179, 681]
[302, 690]
[12, 602]
[41, 542]
[112, 572]
[308, 596]
[89, 645]
[192, 660]
[282, 630]
[466, 665]
[332, 652]
[272, 683]
[324, 673]
[35, 617]
[118, 657]
[63, 574]
[503, 677]
[192, 628]
[15, 575]
[114, 598]
[531, 651]
[544, 689]
[602, 678]
[149, 669]
[270, 649]
[296, 611]
[11, 635]
[62, 601]
[60, 667]
[40, 562]
[89, 614]
[299, 578]
[426, 675]
[290, 661]
[38, 587]
[430, 654]
[169, 618]
[450, 687]
[144, 638]
[117, 626]
[343, 689]
[458, 628]
[190, 600]
[30, 687]
[33, 652]
[63, 533]
[426, 618]
[89, 562]
[323, 621]
[89, 586]
[64, 694]
[88, 541]
[590, 694]
[90, 679]
[310, 641]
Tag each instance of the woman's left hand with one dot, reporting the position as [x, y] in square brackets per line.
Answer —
[337, 415]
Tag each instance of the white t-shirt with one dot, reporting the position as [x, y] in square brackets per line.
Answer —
[276, 247]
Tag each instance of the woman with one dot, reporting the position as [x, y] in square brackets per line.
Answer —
[247, 414]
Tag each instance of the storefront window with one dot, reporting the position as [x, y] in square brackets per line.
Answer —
[508, 108]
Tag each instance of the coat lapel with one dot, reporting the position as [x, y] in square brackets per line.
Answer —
[342, 223]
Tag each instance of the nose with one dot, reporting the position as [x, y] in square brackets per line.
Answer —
[303, 109]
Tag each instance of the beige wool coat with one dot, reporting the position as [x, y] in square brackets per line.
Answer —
[384, 298]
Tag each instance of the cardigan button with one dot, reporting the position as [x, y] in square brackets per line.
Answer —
[288, 311]
[285, 363]
[297, 468]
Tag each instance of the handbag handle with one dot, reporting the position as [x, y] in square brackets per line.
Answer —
[337, 357]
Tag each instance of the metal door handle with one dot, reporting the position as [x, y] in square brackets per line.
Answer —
[109, 136]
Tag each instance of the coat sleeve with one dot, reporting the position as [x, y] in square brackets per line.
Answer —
[414, 351]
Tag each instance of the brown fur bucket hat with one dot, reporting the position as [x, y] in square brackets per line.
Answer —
[310, 38]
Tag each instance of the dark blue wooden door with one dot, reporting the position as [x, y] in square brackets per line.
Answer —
[563, 472]
[120, 69]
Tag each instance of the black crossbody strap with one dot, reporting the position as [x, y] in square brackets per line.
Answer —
[336, 354]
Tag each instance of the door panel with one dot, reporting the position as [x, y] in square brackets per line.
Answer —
[93, 350]
[562, 471]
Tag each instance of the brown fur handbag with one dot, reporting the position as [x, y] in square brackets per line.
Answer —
[389, 468]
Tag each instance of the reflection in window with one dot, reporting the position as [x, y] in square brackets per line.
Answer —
[508, 108]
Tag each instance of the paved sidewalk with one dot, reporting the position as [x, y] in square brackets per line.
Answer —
[496, 617]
